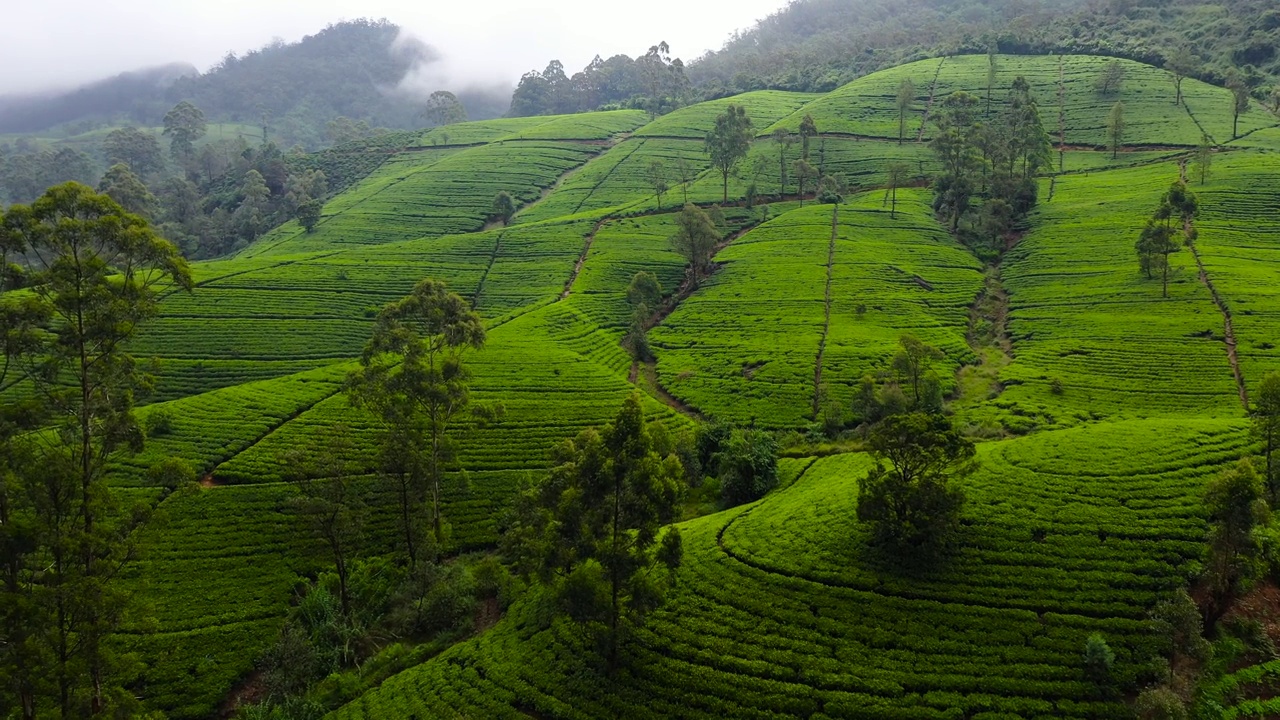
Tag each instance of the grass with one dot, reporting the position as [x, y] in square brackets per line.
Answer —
[780, 611]
[776, 616]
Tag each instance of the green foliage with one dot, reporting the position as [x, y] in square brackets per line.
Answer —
[171, 473]
[308, 214]
[1099, 659]
[1237, 505]
[728, 142]
[183, 125]
[911, 505]
[1266, 426]
[443, 108]
[746, 463]
[593, 528]
[504, 207]
[695, 240]
[1159, 703]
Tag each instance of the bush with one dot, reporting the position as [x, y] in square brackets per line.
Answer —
[159, 422]
[748, 466]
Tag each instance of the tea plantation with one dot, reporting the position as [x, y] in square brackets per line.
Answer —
[1109, 407]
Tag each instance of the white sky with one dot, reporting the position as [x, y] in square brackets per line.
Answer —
[47, 44]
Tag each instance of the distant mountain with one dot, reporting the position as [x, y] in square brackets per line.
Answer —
[352, 69]
[125, 94]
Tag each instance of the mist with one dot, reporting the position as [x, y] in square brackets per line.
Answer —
[470, 46]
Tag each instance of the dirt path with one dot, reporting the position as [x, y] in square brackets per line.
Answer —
[1228, 331]
[826, 314]
[582, 259]
[497, 248]
[928, 106]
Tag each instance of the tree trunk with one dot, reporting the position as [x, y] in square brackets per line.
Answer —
[404, 518]
[725, 175]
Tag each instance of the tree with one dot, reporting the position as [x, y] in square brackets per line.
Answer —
[804, 172]
[695, 240]
[808, 129]
[830, 190]
[728, 142]
[955, 144]
[121, 185]
[308, 214]
[504, 207]
[413, 378]
[656, 172]
[443, 108]
[913, 362]
[95, 273]
[328, 499]
[1203, 159]
[592, 529]
[135, 148]
[1181, 64]
[783, 140]
[1239, 101]
[184, 125]
[1115, 129]
[1159, 703]
[252, 214]
[644, 291]
[1154, 247]
[991, 74]
[896, 175]
[1111, 78]
[687, 174]
[1266, 427]
[747, 464]
[1098, 659]
[910, 505]
[1181, 626]
[1237, 505]
[906, 100]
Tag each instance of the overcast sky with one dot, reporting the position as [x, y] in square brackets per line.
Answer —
[46, 44]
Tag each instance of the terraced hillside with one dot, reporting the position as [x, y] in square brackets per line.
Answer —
[1126, 402]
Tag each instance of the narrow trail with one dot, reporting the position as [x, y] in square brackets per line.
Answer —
[497, 248]
[582, 259]
[606, 176]
[826, 313]
[1228, 331]
[928, 106]
[566, 175]
[649, 371]
[1062, 119]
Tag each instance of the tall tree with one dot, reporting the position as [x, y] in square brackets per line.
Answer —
[913, 362]
[783, 140]
[1239, 101]
[695, 240]
[1266, 427]
[992, 69]
[955, 144]
[728, 142]
[1181, 64]
[906, 100]
[135, 148]
[896, 175]
[1115, 129]
[412, 376]
[331, 503]
[96, 272]
[184, 125]
[687, 174]
[1111, 78]
[120, 184]
[444, 108]
[656, 172]
[593, 528]
[1155, 245]
[1236, 505]
[1203, 159]
[808, 129]
[911, 504]
[804, 172]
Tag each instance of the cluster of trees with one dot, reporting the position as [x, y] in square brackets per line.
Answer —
[654, 82]
[989, 156]
[818, 45]
[88, 278]
[1171, 222]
